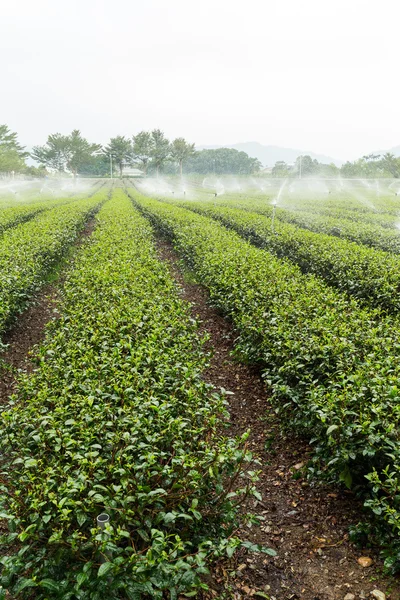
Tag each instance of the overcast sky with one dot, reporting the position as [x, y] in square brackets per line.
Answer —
[308, 74]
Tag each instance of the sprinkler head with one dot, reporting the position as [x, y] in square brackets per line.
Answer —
[102, 520]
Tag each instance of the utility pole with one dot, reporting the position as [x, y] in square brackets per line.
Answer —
[301, 158]
[111, 166]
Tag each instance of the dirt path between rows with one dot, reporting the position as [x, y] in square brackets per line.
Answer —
[305, 523]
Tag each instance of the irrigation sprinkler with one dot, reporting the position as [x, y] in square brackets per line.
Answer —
[102, 520]
[111, 166]
[273, 216]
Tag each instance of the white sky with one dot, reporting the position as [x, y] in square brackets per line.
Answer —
[309, 74]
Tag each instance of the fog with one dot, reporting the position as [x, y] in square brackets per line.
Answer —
[310, 75]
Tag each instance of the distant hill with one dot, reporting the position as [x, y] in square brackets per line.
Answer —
[395, 150]
[269, 155]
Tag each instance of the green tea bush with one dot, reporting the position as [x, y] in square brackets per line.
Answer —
[361, 232]
[30, 250]
[333, 367]
[117, 419]
[372, 276]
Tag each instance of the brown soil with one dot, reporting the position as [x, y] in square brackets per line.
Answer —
[28, 331]
[305, 523]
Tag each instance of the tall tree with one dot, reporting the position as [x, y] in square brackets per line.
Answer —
[9, 142]
[181, 150]
[160, 149]
[222, 161]
[121, 151]
[305, 165]
[62, 152]
[80, 151]
[54, 153]
[281, 169]
[142, 147]
[10, 161]
[12, 154]
[391, 164]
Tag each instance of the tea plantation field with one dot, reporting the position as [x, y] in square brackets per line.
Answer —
[116, 417]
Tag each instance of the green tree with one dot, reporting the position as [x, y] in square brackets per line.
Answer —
[121, 151]
[9, 141]
[62, 152]
[372, 165]
[222, 161]
[181, 150]
[281, 169]
[305, 165]
[10, 161]
[54, 153]
[12, 154]
[80, 151]
[391, 164]
[142, 148]
[96, 166]
[160, 149]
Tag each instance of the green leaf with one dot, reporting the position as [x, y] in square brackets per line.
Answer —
[258, 548]
[50, 584]
[81, 518]
[331, 429]
[346, 477]
[105, 568]
[169, 517]
[24, 584]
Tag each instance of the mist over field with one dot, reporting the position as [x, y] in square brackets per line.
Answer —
[199, 300]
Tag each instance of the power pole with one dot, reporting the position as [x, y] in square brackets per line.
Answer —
[301, 158]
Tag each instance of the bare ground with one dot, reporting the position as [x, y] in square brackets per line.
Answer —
[305, 523]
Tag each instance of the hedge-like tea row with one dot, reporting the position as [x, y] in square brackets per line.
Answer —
[364, 233]
[333, 367]
[30, 250]
[117, 419]
[12, 216]
[389, 221]
[370, 275]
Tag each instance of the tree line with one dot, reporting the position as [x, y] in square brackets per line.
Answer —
[152, 152]
[149, 151]
[372, 165]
